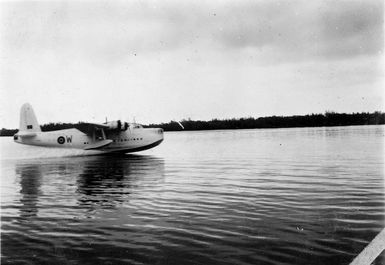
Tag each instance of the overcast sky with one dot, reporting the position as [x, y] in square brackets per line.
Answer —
[168, 60]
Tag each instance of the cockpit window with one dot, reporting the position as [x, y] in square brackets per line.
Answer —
[15, 137]
[29, 126]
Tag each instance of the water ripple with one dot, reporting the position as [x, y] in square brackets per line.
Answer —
[227, 197]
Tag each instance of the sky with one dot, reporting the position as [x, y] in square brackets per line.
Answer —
[156, 61]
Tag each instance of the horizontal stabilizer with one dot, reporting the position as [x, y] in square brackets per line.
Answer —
[98, 144]
[26, 134]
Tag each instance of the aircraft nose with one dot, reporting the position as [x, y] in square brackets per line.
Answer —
[159, 133]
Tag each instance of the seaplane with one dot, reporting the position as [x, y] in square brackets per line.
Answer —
[109, 137]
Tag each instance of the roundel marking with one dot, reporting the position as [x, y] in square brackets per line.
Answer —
[61, 140]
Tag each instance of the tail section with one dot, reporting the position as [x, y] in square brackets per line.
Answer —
[28, 121]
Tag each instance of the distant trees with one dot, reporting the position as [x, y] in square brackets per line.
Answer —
[329, 118]
[7, 132]
[313, 120]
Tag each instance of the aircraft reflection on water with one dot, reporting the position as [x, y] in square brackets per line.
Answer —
[93, 181]
[30, 183]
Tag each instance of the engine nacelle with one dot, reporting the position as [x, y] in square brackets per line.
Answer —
[117, 125]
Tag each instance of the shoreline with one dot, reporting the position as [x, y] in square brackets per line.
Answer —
[328, 119]
[294, 127]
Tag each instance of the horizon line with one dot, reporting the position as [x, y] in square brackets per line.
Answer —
[233, 118]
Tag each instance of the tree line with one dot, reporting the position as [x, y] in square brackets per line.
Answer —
[313, 120]
[329, 118]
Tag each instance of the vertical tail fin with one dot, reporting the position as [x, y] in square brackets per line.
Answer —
[28, 121]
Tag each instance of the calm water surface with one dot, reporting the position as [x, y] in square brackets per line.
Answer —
[274, 196]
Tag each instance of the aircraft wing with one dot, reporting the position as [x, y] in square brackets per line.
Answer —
[89, 128]
[98, 144]
[99, 125]
[26, 134]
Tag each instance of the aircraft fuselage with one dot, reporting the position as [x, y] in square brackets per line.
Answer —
[131, 140]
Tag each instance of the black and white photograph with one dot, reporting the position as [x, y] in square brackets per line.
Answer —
[192, 132]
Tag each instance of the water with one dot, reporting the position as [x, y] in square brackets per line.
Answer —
[274, 196]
